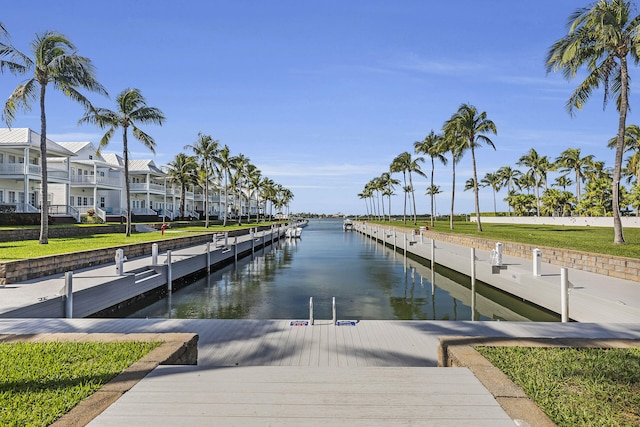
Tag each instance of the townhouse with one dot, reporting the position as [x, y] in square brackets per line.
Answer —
[83, 181]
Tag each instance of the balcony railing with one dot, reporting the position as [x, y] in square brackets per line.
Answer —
[139, 186]
[92, 180]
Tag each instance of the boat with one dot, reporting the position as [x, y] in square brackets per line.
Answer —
[293, 232]
[347, 225]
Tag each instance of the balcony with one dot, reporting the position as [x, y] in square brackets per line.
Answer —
[143, 186]
[93, 180]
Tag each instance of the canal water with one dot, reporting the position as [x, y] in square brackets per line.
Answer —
[368, 281]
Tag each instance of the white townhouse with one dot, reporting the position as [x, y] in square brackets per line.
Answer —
[95, 183]
[20, 169]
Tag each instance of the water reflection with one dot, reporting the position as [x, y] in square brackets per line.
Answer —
[369, 281]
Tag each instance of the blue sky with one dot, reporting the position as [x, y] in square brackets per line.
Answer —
[322, 95]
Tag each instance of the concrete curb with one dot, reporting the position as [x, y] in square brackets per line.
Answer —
[176, 349]
[459, 352]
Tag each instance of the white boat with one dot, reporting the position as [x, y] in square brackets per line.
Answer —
[347, 225]
[293, 232]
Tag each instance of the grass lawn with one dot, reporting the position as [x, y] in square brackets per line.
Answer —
[40, 382]
[576, 386]
[588, 239]
[10, 251]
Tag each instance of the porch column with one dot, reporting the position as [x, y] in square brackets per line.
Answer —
[26, 179]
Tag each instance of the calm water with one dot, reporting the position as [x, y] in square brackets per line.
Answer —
[368, 281]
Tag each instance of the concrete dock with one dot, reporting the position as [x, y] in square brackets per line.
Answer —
[375, 372]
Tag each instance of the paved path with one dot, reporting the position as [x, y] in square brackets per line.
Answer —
[267, 372]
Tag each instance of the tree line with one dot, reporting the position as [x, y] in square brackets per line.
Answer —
[601, 38]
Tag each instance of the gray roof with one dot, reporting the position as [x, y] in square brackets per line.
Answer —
[144, 166]
[74, 146]
[25, 137]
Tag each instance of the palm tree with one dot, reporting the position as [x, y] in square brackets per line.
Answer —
[54, 61]
[432, 146]
[239, 164]
[224, 165]
[364, 196]
[454, 143]
[601, 37]
[493, 180]
[509, 177]
[399, 164]
[472, 127]
[404, 163]
[205, 150]
[432, 191]
[268, 188]
[563, 181]
[570, 160]
[388, 183]
[182, 171]
[253, 181]
[132, 111]
[538, 165]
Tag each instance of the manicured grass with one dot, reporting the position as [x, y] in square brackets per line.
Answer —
[589, 239]
[10, 251]
[40, 382]
[576, 387]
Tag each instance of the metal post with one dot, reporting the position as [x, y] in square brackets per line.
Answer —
[154, 254]
[537, 262]
[311, 310]
[405, 250]
[68, 283]
[235, 249]
[253, 241]
[564, 294]
[208, 258]
[335, 315]
[473, 283]
[226, 238]
[433, 266]
[169, 272]
[394, 240]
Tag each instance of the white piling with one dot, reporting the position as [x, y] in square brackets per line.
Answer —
[394, 240]
[68, 284]
[433, 264]
[154, 254]
[405, 250]
[564, 294]
[335, 315]
[537, 262]
[226, 238]
[208, 258]
[253, 241]
[235, 249]
[311, 310]
[473, 283]
[169, 272]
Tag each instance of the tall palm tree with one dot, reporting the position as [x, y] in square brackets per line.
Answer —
[268, 189]
[538, 166]
[132, 111]
[406, 164]
[601, 37]
[472, 127]
[454, 144]
[509, 176]
[182, 171]
[253, 182]
[224, 164]
[570, 160]
[493, 180]
[54, 61]
[563, 181]
[433, 190]
[239, 164]
[388, 184]
[432, 146]
[399, 164]
[205, 150]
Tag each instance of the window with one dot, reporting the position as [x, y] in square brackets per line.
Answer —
[101, 173]
[84, 201]
[90, 157]
[1, 157]
[1, 196]
[79, 201]
[102, 201]
[86, 172]
[12, 196]
[71, 200]
[20, 159]
[12, 158]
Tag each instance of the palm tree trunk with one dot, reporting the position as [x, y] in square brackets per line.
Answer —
[432, 195]
[413, 196]
[475, 186]
[44, 185]
[125, 154]
[453, 193]
[206, 197]
[618, 238]
[404, 214]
